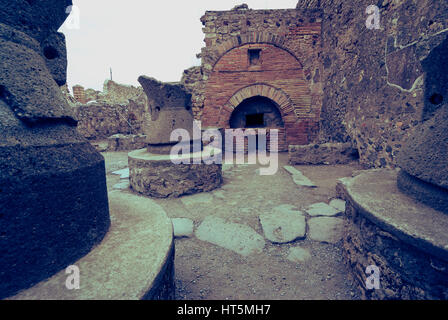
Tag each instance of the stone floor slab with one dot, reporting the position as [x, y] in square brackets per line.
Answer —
[322, 209]
[183, 227]
[283, 225]
[326, 229]
[232, 236]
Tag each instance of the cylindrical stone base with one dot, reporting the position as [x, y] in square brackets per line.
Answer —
[157, 176]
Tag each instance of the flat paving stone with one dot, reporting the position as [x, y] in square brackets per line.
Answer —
[298, 254]
[322, 209]
[338, 204]
[283, 225]
[239, 238]
[183, 227]
[326, 229]
[299, 178]
[123, 173]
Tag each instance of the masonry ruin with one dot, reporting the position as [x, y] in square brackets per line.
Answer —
[371, 103]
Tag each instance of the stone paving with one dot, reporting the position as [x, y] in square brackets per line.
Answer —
[260, 227]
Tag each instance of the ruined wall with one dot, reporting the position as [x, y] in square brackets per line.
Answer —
[113, 92]
[99, 121]
[373, 79]
[288, 72]
[119, 109]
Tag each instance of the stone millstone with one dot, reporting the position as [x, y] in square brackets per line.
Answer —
[157, 176]
[424, 160]
[53, 197]
[283, 225]
[169, 106]
[424, 157]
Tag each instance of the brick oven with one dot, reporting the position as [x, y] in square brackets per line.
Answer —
[262, 69]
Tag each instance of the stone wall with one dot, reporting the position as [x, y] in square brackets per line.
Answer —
[118, 109]
[373, 79]
[113, 93]
[404, 239]
[99, 121]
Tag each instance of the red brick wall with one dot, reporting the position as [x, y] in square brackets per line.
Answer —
[279, 70]
[79, 94]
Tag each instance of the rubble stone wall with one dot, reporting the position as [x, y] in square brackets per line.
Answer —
[373, 79]
[99, 121]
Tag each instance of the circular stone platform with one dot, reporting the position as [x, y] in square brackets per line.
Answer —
[155, 175]
[405, 239]
[134, 261]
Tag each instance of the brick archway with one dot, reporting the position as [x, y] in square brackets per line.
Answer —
[219, 50]
[276, 74]
[282, 100]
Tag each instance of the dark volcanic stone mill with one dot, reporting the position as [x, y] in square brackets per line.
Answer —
[152, 171]
[424, 158]
[53, 196]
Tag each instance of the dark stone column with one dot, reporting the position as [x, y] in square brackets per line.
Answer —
[53, 195]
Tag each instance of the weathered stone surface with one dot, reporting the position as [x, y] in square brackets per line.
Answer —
[24, 67]
[157, 176]
[424, 158]
[373, 85]
[183, 227]
[170, 109]
[298, 177]
[405, 239]
[283, 225]
[338, 204]
[328, 153]
[375, 194]
[326, 229]
[236, 237]
[121, 142]
[308, 4]
[100, 120]
[49, 174]
[297, 254]
[135, 260]
[55, 52]
[322, 209]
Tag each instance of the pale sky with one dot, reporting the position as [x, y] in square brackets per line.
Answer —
[141, 37]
